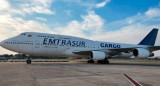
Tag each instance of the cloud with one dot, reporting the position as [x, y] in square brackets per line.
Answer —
[26, 7]
[130, 30]
[94, 27]
[131, 34]
[12, 26]
[91, 24]
[41, 19]
[92, 21]
[37, 6]
[85, 3]
[4, 5]
[15, 25]
[153, 12]
[90, 4]
[102, 4]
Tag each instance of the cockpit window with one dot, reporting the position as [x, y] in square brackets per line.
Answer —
[23, 34]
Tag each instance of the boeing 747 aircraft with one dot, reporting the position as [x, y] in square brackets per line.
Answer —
[42, 44]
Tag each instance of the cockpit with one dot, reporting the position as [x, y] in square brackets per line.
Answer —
[26, 34]
[23, 34]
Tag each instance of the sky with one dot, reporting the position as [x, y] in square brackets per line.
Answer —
[123, 21]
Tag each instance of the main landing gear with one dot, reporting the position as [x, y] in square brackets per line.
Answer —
[105, 61]
[90, 61]
[29, 61]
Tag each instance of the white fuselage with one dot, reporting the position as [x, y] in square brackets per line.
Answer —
[56, 45]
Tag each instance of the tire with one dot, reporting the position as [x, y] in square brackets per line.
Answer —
[90, 61]
[103, 61]
[28, 61]
[107, 62]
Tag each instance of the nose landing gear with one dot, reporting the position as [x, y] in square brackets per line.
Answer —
[29, 61]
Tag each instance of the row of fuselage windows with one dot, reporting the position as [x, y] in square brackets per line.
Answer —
[51, 37]
[18, 43]
[83, 47]
[30, 43]
[45, 36]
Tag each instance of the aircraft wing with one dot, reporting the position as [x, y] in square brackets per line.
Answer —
[109, 51]
[116, 51]
[154, 48]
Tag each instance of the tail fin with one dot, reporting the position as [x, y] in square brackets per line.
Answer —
[150, 38]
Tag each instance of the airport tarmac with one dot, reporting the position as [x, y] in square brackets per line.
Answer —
[81, 74]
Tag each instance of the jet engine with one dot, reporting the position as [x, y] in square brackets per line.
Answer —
[97, 55]
[142, 53]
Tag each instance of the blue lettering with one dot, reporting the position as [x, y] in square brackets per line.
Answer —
[114, 46]
[51, 42]
[102, 44]
[58, 41]
[118, 46]
[63, 42]
[80, 43]
[69, 43]
[106, 45]
[110, 45]
[73, 43]
[83, 43]
[76, 44]
[45, 41]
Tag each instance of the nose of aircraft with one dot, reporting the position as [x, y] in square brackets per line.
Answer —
[1, 43]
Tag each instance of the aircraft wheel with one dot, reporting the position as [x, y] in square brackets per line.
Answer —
[106, 61]
[90, 61]
[100, 61]
[103, 61]
[28, 61]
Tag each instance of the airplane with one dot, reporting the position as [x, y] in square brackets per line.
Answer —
[43, 44]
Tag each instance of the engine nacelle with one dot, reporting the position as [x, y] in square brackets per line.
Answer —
[97, 55]
[142, 53]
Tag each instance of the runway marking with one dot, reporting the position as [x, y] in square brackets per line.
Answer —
[134, 82]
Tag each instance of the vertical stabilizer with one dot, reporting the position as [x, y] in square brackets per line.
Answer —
[150, 38]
